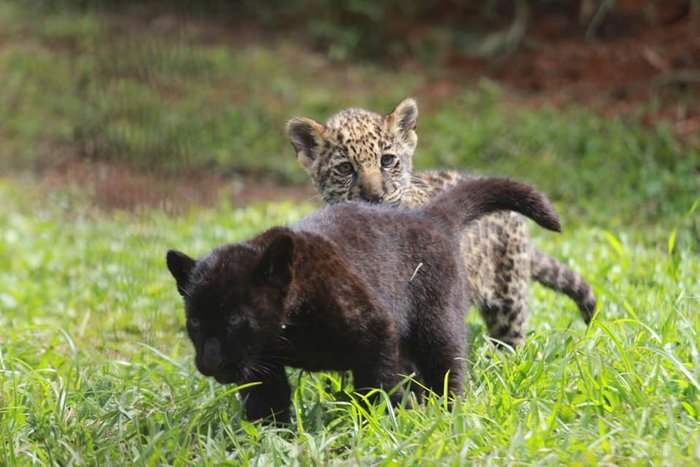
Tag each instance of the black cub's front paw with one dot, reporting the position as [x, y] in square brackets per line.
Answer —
[269, 401]
[261, 410]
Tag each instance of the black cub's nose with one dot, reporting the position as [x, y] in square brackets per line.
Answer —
[211, 355]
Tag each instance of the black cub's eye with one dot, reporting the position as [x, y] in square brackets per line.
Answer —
[388, 160]
[193, 322]
[345, 168]
[235, 320]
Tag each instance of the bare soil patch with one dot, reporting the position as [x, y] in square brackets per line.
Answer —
[118, 186]
[635, 66]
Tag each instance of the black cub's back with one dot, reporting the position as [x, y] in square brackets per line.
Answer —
[350, 287]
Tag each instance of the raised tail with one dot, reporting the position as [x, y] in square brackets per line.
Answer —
[471, 199]
[551, 273]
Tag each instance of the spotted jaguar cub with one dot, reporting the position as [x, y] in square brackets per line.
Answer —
[362, 155]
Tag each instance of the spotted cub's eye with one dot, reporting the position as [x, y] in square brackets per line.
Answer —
[345, 168]
[388, 160]
[193, 322]
[235, 320]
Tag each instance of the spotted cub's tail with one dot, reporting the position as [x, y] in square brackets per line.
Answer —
[470, 199]
[551, 273]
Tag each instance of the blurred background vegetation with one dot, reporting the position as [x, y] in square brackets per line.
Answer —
[594, 101]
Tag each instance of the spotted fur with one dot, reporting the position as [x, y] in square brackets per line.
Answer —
[362, 155]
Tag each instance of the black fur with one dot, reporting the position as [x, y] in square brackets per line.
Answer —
[353, 287]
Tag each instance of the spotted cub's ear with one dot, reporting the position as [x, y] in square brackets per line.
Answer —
[306, 136]
[404, 118]
[180, 266]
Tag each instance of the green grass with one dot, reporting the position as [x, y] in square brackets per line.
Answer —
[95, 367]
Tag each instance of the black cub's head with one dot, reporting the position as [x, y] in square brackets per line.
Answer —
[234, 302]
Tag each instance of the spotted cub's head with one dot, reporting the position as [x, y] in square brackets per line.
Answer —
[357, 154]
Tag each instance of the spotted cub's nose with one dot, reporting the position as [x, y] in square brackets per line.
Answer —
[371, 192]
[369, 186]
[372, 196]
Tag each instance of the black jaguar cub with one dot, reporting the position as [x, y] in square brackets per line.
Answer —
[358, 287]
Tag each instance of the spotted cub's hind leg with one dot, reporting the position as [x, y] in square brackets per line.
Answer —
[507, 316]
[505, 308]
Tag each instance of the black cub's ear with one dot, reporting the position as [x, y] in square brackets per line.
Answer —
[306, 135]
[180, 266]
[275, 267]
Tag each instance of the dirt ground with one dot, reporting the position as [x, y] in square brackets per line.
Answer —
[633, 65]
[117, 186]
